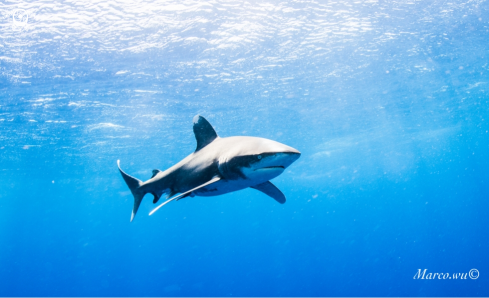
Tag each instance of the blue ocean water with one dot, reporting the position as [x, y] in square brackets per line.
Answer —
[386, 100]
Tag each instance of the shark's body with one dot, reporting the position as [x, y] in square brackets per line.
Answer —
[218, 166]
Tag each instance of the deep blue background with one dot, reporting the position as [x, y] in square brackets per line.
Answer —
[387, 101]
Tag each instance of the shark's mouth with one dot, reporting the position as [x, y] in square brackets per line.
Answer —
[271, 168]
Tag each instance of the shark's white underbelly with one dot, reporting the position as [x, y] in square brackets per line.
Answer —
[225, 186]
[222, 187]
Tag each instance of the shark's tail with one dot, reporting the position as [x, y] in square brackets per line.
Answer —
[134, 185]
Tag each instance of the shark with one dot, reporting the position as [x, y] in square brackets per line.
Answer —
[217, 166]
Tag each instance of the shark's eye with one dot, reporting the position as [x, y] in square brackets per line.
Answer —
[259, 157]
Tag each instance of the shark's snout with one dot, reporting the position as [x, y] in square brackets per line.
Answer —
[287, 158]
[271, 165]
[288, 155]
[293, 151]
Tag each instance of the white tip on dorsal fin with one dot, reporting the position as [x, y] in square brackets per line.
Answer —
[204, 133]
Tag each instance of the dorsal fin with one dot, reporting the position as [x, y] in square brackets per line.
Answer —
[155, 172]
[204, 133]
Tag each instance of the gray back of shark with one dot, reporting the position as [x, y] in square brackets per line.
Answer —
[218, 166]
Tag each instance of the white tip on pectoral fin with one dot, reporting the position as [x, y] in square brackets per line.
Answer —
[215, 179]
[132, 216]
[163, 204]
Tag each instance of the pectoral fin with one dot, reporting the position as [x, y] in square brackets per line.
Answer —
[185, 194]
[271, 190]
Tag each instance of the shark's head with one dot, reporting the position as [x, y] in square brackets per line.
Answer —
[256, 159]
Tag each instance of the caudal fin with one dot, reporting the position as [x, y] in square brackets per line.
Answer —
[134, 185]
